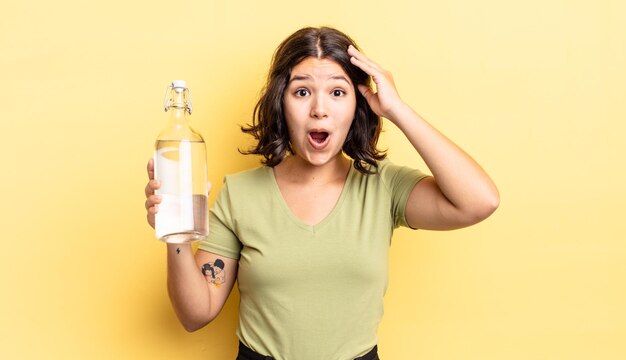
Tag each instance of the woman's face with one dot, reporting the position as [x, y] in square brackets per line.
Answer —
[319, 105]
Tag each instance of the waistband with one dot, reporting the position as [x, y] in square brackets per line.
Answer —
[246, 353]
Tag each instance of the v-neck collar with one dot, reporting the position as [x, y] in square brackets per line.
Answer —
[283, 204]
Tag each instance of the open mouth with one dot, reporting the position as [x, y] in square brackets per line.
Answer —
[319, 137]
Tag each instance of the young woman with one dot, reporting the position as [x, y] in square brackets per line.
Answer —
[307, 234]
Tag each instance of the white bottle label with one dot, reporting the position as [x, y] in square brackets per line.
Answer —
[173, 167]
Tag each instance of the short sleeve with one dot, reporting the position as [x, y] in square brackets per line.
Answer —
[399, 181]
[222, 239]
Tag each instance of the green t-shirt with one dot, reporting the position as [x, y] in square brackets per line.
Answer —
[310, 292]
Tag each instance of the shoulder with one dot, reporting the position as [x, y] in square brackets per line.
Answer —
[383, 170]
[249, 175]
[391, 175]
[248, 181]
[382, 166]
[375, 180]
[386, 166]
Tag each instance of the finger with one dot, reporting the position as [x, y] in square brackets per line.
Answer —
[370, 95]
[152, 185]
[153, 210]
[150, 169]
[150, 219]
[352, 51]
[366, 91]
[209, 186]
[150, 216]
[363, 66]
[153, 200]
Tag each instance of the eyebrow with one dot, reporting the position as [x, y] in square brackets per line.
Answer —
[307, 77]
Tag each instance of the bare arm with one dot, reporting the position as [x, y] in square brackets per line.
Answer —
[460, 193]
[197, 296]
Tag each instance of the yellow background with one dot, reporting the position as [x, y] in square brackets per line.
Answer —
[534, 90]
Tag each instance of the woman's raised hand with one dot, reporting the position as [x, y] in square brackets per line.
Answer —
[152, 200]
[386, 98]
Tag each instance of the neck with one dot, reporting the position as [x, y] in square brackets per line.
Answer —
[178, 116]
[294, 169]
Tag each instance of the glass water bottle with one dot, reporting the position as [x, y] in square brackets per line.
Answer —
[181, 167]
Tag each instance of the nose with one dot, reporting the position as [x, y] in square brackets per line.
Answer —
[318, 107]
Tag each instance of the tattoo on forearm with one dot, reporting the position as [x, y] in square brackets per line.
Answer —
[214, 272]
[177, 250]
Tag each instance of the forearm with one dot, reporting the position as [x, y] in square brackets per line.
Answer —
[187, 287]
[461, 179]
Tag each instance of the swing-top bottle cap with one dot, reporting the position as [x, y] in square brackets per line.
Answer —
[182, 98]
[179, 85]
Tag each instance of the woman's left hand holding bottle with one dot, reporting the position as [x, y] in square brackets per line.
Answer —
[152, 200]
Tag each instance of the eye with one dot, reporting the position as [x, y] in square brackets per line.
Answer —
[302, 92]
[338, 92]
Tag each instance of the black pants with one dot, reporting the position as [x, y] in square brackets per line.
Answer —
[246, 353]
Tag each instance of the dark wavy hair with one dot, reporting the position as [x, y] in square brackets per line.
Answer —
[269, 126]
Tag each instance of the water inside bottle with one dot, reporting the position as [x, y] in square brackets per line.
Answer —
[180, 166]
